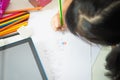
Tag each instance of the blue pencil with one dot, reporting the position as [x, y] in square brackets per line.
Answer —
[1, 26]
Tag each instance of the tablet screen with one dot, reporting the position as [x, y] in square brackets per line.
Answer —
[20, 61]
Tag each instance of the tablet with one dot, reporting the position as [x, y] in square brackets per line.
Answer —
[20, 61]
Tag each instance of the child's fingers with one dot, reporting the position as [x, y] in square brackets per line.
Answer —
[61, 28]
[56, 23]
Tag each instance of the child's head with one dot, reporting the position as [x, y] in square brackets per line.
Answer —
[96, 20]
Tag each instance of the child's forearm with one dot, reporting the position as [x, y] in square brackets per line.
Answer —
[66, 5]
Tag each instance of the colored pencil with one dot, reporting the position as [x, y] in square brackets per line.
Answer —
[10, 25]
[60, 12]
[9, 35]
[13, 20]
[13, 15]
[26, 9]
[13, 28]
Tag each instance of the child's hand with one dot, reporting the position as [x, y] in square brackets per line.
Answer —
[56, 23]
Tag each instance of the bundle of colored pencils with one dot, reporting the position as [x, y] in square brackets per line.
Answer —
[10, 23]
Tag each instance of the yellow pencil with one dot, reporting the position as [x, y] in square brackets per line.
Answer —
[10, 25]
[14, 20]
[13, 29]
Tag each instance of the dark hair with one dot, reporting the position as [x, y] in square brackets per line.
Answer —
[113, 64]
[98, 21]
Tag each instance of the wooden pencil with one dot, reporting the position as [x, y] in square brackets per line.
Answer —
[6, 27]
[60, 11]
[13, 20]
[26, 9]
[13, 15]
[13, 28]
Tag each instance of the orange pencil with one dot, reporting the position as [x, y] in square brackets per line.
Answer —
[26, 9]
[13, 28]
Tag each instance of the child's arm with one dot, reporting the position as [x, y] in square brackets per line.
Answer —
[56, 18]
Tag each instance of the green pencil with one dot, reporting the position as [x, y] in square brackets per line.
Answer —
[60, 11]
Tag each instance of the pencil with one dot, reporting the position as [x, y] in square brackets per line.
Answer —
[13, 15]
[26, 9]
[9, 35]
[13, 28]
[5, 24]
[10, 25]
[13, 20]
[60, 11]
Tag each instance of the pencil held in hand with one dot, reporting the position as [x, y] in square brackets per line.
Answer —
[60, 12]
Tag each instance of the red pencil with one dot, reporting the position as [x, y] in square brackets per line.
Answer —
[13, 15]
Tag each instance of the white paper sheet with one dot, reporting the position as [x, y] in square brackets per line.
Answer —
[65, 56]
